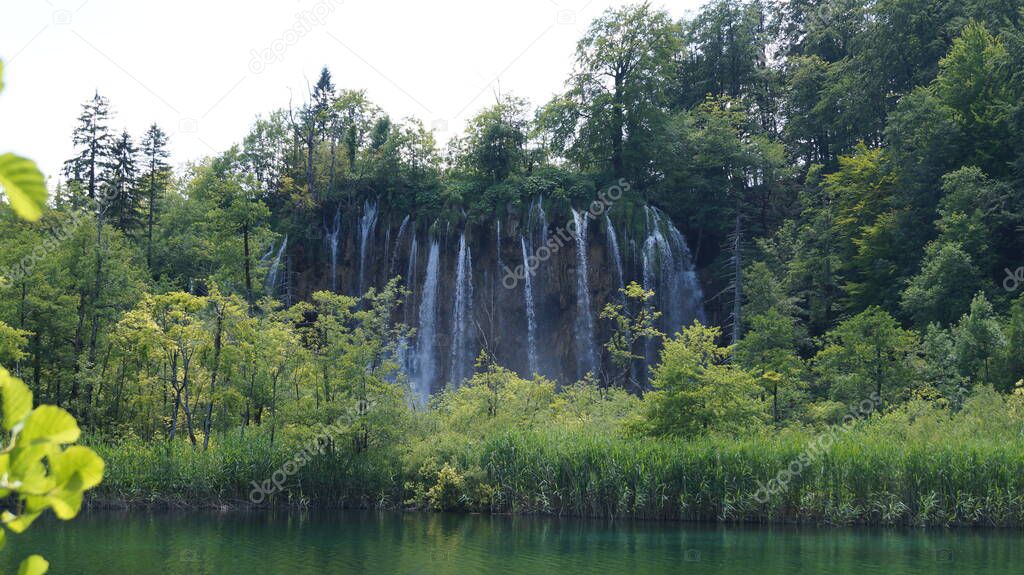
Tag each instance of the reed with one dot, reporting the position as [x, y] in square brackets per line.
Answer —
[916, 466]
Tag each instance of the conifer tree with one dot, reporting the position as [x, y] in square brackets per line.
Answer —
[155, 154]
[121, 200]
[93, 144]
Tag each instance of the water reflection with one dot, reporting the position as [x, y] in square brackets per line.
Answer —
[349, 542]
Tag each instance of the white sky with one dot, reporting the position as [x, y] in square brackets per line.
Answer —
[194, 66]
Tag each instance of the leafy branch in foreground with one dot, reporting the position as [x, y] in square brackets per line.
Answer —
[36, 468]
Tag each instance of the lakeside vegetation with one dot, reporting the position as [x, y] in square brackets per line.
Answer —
[850, 177]
[567, 454]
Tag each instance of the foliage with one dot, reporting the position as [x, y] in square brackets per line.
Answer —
[697, 391]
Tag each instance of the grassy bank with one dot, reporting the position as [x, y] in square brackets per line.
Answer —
[919, 465]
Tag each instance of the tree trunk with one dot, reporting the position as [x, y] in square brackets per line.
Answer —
[177, 396]
[618, 123]
[309, 162]
[186, 364]
[149, 215]
[208, 423]
[737, 262]
[248, 266]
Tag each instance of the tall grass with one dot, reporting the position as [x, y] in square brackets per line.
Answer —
[917, 466]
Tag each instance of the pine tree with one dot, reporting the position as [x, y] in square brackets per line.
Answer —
[121, 200]
[154, 152]
[93, 144]
[316, 118]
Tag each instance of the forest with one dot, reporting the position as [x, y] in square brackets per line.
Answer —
[816, 315]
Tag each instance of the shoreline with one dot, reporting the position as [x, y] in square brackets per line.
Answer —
[94, 504]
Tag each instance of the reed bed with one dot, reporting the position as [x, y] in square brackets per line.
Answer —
[903, 469]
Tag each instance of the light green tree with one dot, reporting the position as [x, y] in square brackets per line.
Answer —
[697, 391]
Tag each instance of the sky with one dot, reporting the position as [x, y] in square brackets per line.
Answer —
[205, 69]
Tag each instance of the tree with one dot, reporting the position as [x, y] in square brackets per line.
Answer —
[727, 55]
[12, 344]
[121, 201]
[630, 329]
[494, 146]
[941, 292]
[315, 118]
[235, 220]
[769, 352]
[178, 330]
[697, 391]
[618, 92]
[1011, 356]
[157, 172]
[868, 356]
[94, 144]
[978, 339]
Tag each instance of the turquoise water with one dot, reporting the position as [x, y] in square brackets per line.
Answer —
[349, 542]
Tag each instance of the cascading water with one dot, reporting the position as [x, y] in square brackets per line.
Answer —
[410, 277]
[542, 222]
[398, 243]
[272, 281]
[562, 337]
[688, 290]
[585, 361]
[425, 371]
[613, 245]
[531, 313]
[366, 225]
[462, 315]
[650, 254]
[668, 270]
[333, 233]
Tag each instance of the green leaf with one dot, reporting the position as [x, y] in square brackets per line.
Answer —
[66, 504]
[78, 460]
[1, 75]
[16, 397]
[24, 184]
[34, 565]
[50, 423]
[18, 523]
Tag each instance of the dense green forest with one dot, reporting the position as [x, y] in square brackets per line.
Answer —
[849, 174]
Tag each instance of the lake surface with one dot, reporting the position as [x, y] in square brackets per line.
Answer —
[199, 543]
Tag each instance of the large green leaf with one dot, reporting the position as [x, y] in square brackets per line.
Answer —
[80, 460]
[18, 523]
[33, 565]
[50, 423]
[16, 397]
[24, 184]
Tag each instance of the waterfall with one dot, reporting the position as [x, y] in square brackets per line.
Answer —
[271, 283]
[333, 233]
[462, 315]
[668, 270]
[398, 242]
[542, 235]
[690, 297]
[613, 245]
[649, 257]
[531, 313]
[426, 360]
[497, 241]
[366, 225]
[585, 361]
[410, 276]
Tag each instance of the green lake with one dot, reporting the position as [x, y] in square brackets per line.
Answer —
[232, 543]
